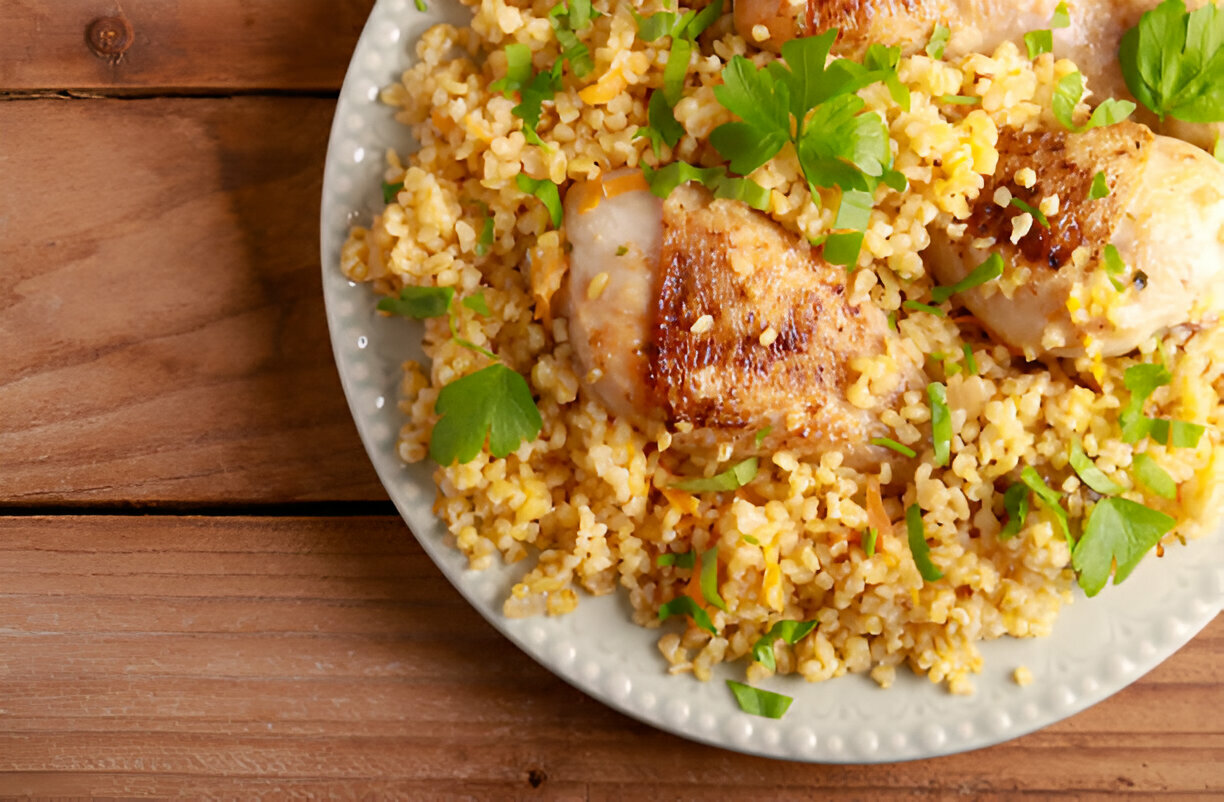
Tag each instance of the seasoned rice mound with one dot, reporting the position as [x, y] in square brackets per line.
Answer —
[590, 501]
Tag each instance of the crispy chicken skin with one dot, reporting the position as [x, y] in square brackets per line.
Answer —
[978, 26]
[730, 324]
[1164, 214]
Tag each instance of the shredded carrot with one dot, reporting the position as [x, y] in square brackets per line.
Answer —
[548, 267]
[441, 121]
[685, 502]
[875, 509]
[609, 85]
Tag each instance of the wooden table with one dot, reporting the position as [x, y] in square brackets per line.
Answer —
[204, 591]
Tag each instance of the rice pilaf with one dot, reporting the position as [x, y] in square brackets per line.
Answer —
[592, 499]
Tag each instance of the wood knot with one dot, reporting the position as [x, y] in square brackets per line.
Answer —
[109, 37]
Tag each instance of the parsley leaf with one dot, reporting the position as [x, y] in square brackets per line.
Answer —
[567, 18]
[709, 578]
[843, 248]
[662, 127]
[988, 270]
[1092, 476]
[684, 605]
[918, 545]
[675, 70]
[533, 89]
[918, 306]
[419, 303]
[1067, 96]
[971, 364]
[941, 422]
[763, 106]
[518, 70]
[1173, 61]
[1114, 266]
[665, 179]
[1153, 477]
[1016, 504]
[1118, 530]
[390, 191]
[758, 702]
[476, 302]
[790, 631]
[493, 403]
[938, 41]
[760, 436]
[547, 193]
[738, 475]
[1100, 188]
[1141, 381]
[1050, 499]
[1038, 42]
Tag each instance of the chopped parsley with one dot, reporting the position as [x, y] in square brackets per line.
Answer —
[735, 477]
[988, 270]
[709, 578]
[662, 128]
[492, 404]
[1042, 41]
[759, 702]
[568, 18]
[1218, 150]
[760, 436]
[903, 450]
[938, 41]
[685, 559]
[1173, 61]
[941, 422]
[1100, 188]
[1016, 504]
[1119, 532]
[1154, 477]
[688, 25]
[1142, 381]
[918, 545]
[621, 250]
[420, 5]
[390, 191]
[419, 303]
[959, 100]
[1067, 96]
[676, 69]
[1050, 499]
[665, 179]
[1114, 266]
[1091, 475]
[790, 631]
[1037, 214]
[684, 605]
[533, 89]
[547, 193]
[477, 303]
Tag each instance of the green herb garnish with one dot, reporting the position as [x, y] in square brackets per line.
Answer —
[419, 303]
[887, 442]
[1154, 477]
[1050, 499]
[918, 306]
[665, 179]
[1100, 188]
[1114, 266]
[938, 41]
[918, 545]
[988, 270]
[1037, 214]
[709, 578]
[1016, 503]
[1042, 41]
[662, 127]
[492, 404]
[390, 191]
[759, 702]
[1118, 531]
[546, 191]
[790, 631]
[971, 364]
[684, 605]
[941, 422]
[1091, 475]
[959, 100]
[760, 436]
[869, 540]
[1173, 61]
[684, 559]
[735, 477]
[1067, 96]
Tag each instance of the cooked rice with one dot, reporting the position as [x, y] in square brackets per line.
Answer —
[590, 500]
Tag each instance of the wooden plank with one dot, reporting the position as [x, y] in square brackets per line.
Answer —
[162, 336]
[178, 45]
[328, 656]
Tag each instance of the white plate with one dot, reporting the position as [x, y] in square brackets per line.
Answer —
[1098, 647]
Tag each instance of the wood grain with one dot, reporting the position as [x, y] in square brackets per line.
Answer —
[162, 337]
[181, 45]
[278, 657]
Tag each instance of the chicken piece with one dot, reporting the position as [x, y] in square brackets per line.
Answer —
[1164, 214]
[977, 26]
[705, 312]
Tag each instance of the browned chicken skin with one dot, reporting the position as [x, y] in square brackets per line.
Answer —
[1091, 40]
[736, 325]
